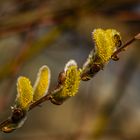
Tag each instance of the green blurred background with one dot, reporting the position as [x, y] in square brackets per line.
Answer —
[38, 32]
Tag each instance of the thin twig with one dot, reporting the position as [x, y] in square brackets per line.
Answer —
[38, 102]
[122, 48]
[48, 96]
[35, 104]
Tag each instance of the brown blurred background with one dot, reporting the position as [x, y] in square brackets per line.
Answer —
[38, 32]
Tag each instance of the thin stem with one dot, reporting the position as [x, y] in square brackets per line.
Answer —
[136, 37]
[41, 100]
[48, 96]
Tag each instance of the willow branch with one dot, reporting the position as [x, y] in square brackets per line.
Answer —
[48, 96]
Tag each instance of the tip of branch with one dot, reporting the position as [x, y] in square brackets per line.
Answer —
[137, 36]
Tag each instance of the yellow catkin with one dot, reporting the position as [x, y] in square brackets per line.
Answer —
[72, 81]
[42, 83]
[25, 92]
[105, 43]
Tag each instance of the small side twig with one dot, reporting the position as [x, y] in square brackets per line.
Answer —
[122, 48]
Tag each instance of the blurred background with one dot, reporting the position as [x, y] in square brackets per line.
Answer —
[38, 32]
